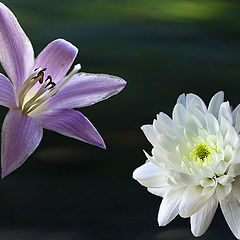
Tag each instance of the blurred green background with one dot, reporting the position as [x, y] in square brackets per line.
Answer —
[70, 190]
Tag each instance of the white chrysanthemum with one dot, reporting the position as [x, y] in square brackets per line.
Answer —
[195, 162]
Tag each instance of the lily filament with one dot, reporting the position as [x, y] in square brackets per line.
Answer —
[35, 98]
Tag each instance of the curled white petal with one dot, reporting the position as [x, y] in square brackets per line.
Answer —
[150, 175]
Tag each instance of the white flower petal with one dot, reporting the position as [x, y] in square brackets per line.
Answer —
[203, 133]
[207, 182]
[179, 115]
[150, 133]
[236, 157]
[192, 201]
[236, 188]
[169, 207]
[193, 99]
[193, 123]
[166, 121]
[215, 103]
[188, 135]
[224, 125]
[207, 171]
[237, 120]
[209, 190]
[183, 179]
[201, 220]
[166, 143]
[168, 159]
[164, 125]
[150, 175]
[225, 111]
[231, 211]
[225, 180]
[235, 113]
[182, 99]
[160, 191]
[219, 141]
[198, 114]
[228, 153]
[150, 158]
[184, 168]
[234, 170]
[223, 191]
[231, 137]
[212, 124]
[221, 167]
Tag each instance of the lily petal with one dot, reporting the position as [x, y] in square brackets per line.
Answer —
[201, 220]
[73, 124]
[85, 89]
[21, 135]
[16, 52]
[57, 57]
[7, 97]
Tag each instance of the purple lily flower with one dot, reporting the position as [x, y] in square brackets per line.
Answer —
[41, 95]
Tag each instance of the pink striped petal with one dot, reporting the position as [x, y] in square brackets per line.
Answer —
[21, 135]
[85, 89]
[16, 52]
[57, 57]
[7, 97]
[73, 124]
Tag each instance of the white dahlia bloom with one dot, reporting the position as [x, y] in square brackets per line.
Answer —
[195, 162]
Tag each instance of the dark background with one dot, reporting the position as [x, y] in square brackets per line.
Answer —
[68, 190]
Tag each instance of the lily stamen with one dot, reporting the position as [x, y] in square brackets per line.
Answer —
[29, 83]
[49, 84]
[53, 91]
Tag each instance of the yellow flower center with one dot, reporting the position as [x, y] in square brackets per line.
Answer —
[202, 153]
